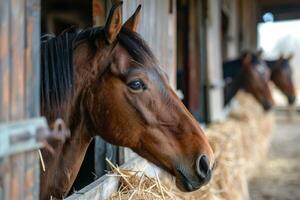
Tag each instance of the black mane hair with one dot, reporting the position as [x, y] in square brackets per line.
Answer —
[233, 75]
[57, 70]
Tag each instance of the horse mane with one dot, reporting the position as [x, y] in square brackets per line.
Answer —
[57, 73]
[232, 68]
[57, 70]
[273, 64]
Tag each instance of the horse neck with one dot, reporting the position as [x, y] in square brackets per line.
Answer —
[62, 165]
[272, 65]
[230, 90]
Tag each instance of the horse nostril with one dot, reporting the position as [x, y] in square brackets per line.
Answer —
[267, 105]
[202, 166]
[291, 100]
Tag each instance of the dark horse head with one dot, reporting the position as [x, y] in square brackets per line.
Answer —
[251, 74]
[120, 92]
[282, 77]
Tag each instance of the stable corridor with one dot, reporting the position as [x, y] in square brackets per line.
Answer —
[279, 177]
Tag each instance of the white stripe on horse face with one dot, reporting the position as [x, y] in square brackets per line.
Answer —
[261, 68]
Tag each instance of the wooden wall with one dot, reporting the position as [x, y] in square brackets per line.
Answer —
[158, 28]
[19, 91]
[191, 55]
[248, 24]
[19, 59]
[214, 61]
[231, 39]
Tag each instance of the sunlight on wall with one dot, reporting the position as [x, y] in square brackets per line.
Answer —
[277, 38]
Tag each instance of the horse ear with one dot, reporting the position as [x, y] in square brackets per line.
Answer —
[290, 57]
[133, 22]
[259, 53]
[281, 57]
[114, 23]
[247, 59]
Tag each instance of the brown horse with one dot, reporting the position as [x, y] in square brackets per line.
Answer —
[106, 81]
[281, 76]
[251, 74]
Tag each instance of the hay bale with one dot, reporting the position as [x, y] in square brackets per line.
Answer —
[136, 185]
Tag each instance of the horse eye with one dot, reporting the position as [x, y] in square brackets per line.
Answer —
[136, 85]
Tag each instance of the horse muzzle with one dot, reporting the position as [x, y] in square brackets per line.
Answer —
[291, 100]
[267, 105]
[188, 181]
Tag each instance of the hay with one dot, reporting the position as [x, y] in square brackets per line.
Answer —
[240, 145]
[136, 185]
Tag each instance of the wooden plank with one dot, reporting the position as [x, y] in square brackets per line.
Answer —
[203, 95]
[32, 48]
[6, 177]
[17, 80]
[193, 59]
[4, 60]
[214, 61]
[19, 91]
[17, 176]
[248, 23]
[233, 32]
[158, 28]
[32, 176]
[172, 42]
[99, 12]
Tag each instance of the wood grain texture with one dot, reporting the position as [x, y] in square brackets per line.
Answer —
[32, 58]
[158, 28]
[17, 78]
[19, 91]
[4, 60]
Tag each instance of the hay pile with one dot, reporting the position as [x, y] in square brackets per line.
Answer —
[240, 144]
[136, 185]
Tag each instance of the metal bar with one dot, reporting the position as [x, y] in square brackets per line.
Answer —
[22, 136]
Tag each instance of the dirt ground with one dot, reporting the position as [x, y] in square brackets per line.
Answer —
[279, 177]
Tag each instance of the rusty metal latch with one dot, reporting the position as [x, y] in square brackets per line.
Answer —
[220, 84]
[27, 135]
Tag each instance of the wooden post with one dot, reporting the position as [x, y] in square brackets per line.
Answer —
[4, 60]
[32, 58]
[214, 61]
[193, 64]
[249, 18]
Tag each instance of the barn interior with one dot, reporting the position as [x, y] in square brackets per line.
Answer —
[191, 39]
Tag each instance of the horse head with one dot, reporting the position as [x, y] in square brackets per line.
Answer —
[124, 96]
[255, 78]
[282, 77]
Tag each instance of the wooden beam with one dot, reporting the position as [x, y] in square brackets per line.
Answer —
[32, 58]
[4, 60]
[17, 46]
